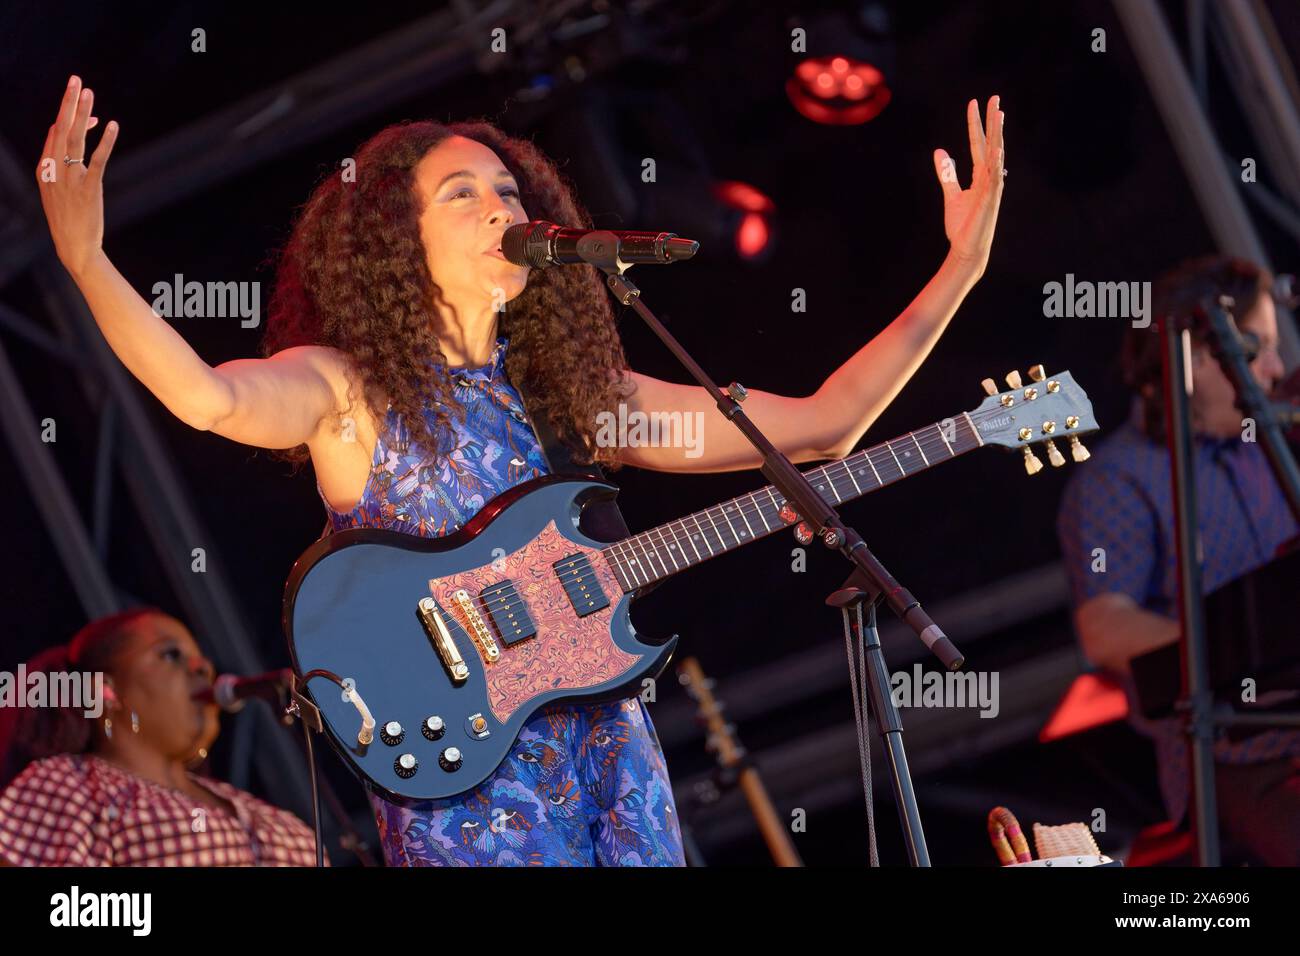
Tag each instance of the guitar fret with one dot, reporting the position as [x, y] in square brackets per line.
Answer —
[825, 479]
[896, 461]
[703, 534]
[771, 493]
[849, 468]
[951, 453]
[627, 566]
[654, 552]
[698, 556]
[746, 520]
[920, 449]
[885, 464]
[721, 543]
[669, 547]
[636, 561]
[729, 525]
[973, 429]
[867, 454]
[647, 556]
[678, 531]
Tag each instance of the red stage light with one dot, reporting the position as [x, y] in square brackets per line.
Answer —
[752, 236]
[754, 232]
[838, 91]
[743, 196]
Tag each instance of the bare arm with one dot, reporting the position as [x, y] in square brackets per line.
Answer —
[1113, 630]
[272, 403]
[830, 422]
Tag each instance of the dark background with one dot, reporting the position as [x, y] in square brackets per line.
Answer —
[1094, 188]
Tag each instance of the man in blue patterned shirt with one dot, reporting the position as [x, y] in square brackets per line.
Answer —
[1116, 528]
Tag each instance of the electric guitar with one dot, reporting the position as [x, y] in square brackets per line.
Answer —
[438, 650]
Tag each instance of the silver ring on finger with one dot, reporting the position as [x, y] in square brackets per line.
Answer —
[68, 160]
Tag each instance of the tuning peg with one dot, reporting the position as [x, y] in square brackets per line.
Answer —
[1054, 455]
[1033, 464]
[1037, 373]
[1077, 451]
[990, 386]
[1013, 379]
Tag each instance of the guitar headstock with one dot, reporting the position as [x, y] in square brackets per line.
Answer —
[1045, 410]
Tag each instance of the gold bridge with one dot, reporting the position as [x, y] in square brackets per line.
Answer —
[475, 624]
[442, 640]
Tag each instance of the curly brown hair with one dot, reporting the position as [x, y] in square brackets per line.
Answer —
[354, 276]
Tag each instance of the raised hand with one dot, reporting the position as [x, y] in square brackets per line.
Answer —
[970, 215]
[72, 194]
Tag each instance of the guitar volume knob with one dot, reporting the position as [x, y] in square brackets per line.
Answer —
[392, 733]
[405, 766]
[433, 728]
[450, 759]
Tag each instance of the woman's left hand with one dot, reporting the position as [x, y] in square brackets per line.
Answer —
[970, 215]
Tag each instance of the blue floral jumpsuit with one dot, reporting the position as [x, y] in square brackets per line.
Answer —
[584, 785]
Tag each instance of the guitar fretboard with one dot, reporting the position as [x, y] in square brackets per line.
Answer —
[664, 550]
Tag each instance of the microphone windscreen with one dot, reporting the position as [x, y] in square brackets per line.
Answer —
[512, 244]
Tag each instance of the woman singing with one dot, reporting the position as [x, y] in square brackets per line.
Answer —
[114, 789]
[396, 329]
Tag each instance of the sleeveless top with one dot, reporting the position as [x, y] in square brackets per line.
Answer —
[415, 492]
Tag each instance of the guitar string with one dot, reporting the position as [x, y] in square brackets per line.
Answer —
[621, 550]
[749, 505]
[931, 438]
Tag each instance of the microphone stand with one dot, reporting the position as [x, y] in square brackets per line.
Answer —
[301, 707]
[1229, 350]
[1197, 699]
[867, 585]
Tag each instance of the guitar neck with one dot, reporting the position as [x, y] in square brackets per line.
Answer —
[663, 551]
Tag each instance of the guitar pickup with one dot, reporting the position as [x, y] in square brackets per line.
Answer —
[579, 579]
[436, 628]
[474, 623]
[508, 612]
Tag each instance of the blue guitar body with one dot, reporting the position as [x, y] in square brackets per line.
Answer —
[352, 609]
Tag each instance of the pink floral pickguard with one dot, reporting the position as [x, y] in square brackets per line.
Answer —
[568, 651]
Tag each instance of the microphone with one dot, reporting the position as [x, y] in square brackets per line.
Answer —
[540, 244]
[229, 691]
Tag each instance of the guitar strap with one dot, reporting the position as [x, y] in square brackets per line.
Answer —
[601, 520]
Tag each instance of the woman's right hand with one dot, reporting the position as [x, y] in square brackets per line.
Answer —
[73, 194]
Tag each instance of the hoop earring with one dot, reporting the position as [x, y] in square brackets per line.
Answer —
[108, 727]
[135, 723]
